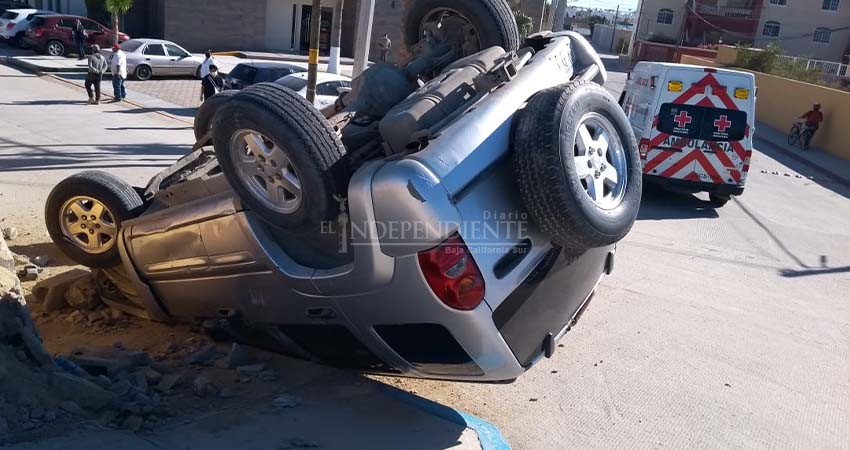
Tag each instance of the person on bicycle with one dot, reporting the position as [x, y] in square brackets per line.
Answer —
[813, 119]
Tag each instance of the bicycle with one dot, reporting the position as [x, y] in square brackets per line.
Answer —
[800, 135]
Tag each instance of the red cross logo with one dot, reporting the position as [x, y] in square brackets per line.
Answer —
[722, 124]
[683, 119]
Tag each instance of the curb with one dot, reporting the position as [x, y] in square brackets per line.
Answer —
[841, 179]
[15, 61]
[489, 435]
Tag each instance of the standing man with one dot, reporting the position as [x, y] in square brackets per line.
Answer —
[80, 39]
[212, 84]
[119, 72]
[205, 66]
[384, 45]
[97, 67]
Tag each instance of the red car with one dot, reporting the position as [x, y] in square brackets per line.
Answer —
[54, 34]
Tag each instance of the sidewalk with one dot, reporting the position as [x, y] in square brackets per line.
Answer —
[336, 415]
[226, 62]
[825, 164]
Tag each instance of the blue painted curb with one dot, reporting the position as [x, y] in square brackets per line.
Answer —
[488, 435]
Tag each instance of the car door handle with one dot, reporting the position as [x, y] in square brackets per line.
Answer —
[147, 59]
[174, 60]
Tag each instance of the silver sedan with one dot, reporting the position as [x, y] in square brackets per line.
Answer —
[147, 58]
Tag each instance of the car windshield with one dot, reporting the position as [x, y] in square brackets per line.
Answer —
[700, 122]
[294, 83]
[9, 15]
[243, 72]
[131, 46]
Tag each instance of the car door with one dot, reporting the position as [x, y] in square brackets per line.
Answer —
[180, 60]
[154, 55]
[95, 34]
[64, 32]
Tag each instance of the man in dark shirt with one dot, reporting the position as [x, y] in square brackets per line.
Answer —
[80, 39]
[212, 84]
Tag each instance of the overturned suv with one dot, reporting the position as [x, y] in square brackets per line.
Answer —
[448, 218]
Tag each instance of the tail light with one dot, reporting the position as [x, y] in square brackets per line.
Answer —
[452, 274]
[10, 25]
[643, 148]
[38, 33]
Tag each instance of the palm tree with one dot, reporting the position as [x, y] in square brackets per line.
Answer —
[117, 8]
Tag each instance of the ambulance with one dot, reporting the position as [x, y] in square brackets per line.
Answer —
[694, 126]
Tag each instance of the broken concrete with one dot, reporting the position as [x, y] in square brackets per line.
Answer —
[87, 394]
[7, 258]
[82, 294]
[51, 292]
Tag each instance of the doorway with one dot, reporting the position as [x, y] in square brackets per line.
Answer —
[324, 30]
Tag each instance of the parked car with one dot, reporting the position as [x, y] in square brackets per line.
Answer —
[247, 73]
[694, 125]
[148, 58]
[13, 4]
[53, 34]
[454, 229]
[14, 23]
[328, 86]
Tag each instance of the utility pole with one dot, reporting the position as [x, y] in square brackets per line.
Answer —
[635, 33]
[614, 31]
[336, 37]
[313, 60]
[364, 36]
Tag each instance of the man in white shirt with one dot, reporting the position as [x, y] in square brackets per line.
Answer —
[118, 66]
[205, 66]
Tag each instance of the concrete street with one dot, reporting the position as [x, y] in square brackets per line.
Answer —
[720, 328]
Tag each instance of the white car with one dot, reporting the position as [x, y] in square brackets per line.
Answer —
[328, 86]
[14, 23]
[148, 58]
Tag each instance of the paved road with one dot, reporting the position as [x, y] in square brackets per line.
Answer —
[722, 328]
[726, 328]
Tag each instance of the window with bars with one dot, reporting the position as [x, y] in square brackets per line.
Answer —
[771, 29]
[822, 35]
[830, 5]
[665, 16]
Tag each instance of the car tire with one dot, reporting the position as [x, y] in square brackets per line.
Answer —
[492, 20]
[55, 48]
[717, 200]
[295, 169]
[580, 190]
[143, 73]
[91, 241]
[207, 111]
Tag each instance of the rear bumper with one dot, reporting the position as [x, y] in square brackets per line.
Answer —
[550, 300]
[695, 186]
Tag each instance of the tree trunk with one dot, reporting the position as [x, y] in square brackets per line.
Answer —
[336, 38]
[114, 28]
[559, 15]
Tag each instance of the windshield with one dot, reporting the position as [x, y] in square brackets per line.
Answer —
[700, 122]
[294, 83]
[131, 46]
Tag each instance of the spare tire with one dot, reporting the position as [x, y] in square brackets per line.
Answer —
[281, 156]
[84, 213]
[577, 165]
[207, 110]
[492, 21]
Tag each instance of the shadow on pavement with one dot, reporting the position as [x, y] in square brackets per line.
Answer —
[662, 204]
[57, 156]
[49, 249]
[183, 112]
[790, 273]
[148, 128]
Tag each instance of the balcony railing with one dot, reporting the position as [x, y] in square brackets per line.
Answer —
[725, 11]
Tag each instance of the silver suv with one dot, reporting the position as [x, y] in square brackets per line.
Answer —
[448, 218]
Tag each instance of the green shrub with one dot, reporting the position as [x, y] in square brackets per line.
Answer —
[523, 23]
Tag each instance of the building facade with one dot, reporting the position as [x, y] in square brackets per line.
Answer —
[818, 29]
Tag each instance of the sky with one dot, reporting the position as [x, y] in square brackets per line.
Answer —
[605, 4]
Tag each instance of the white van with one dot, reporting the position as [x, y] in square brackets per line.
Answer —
[694, 126]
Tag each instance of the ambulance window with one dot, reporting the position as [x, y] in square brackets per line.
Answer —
[698, 122]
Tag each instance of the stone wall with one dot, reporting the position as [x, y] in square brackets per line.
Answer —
[222, 25]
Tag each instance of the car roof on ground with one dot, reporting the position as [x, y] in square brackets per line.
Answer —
[262, 64]
[321, 76]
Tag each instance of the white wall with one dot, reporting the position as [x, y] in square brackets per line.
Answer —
[279, 31]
